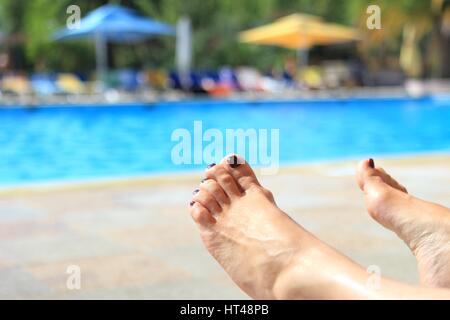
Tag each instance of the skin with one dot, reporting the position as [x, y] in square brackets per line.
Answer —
[268, 255]
[422, 225]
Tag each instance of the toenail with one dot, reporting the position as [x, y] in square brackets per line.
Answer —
[191, 203]
[211, 165]
[371, 163]
[233, 161]
[203, 180]
[195, 191]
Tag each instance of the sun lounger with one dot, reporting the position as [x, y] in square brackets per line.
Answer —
[44, 84]
[70, 83]
[16, 84]
[128, 80]
[157, 79]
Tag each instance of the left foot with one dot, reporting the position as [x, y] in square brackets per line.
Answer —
[263, 250]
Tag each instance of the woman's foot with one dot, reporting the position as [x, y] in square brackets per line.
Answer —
[263, 250]
[423, 226]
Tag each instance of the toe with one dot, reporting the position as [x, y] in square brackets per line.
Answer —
[224, 179]
[377, 184]
[368, 177]
[390, 180]
[367, 172]
[201, 215]
[207, 200]
[241, 171]
[213, 187]
[364, 170]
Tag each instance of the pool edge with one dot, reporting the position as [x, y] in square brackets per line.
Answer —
[324, 167]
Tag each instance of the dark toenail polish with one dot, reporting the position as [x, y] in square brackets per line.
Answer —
[371, 163]
[233, 161]
[210, 165]
[203, 180]
[191, 203]
[195, 191]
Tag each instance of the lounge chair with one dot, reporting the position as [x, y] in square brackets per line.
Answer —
[44, 84]
[128, 80]
[16, 84]
[157, 79]
[70, 83]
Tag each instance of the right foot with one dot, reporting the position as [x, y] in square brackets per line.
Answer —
[423, 226]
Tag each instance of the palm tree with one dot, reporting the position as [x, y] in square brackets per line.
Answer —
[414, 26]
[441, 27]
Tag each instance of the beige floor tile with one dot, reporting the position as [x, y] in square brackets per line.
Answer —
[135, 239]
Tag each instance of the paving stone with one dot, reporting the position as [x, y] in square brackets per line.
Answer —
[136, 241]
[47, 249]
[106, 272]
[15, 283]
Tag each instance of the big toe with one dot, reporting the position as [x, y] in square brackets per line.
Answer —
[370, 180]
[369, 176]
[241, 171]
[364, 171]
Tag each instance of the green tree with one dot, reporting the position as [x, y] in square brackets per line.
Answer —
[29, 25]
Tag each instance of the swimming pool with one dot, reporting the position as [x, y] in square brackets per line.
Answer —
[65, 143]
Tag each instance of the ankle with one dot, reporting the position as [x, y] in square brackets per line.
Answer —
[299, 273]
[287, 285]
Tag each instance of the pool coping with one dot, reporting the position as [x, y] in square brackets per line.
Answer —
[428, 89]
[258, 100]
[324, 167]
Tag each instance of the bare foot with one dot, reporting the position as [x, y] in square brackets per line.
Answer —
[262, 249]
[423, 226]
[268, 255]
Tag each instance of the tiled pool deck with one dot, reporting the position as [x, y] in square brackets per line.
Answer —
[134, 239]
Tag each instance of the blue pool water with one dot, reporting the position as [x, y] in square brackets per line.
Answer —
[58, 143]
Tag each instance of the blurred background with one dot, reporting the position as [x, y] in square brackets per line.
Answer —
[92, 92]
[413, 42]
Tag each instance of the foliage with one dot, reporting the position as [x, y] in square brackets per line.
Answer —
[216, 24]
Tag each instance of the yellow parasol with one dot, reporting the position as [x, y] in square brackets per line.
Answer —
[299, 31]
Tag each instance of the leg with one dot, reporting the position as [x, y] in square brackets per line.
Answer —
[267, 254]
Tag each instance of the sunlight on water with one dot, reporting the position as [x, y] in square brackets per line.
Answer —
[87, 142]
